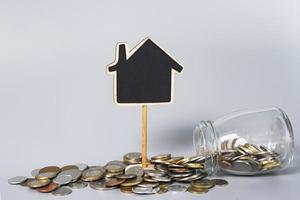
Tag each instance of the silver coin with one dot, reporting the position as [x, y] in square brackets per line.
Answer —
[179, 175]
[241, 165]
[134, 169]
[177, 188]
[17, 180]
[75, 173]
[133, 156]
[117, 162]
[63, 191]
[100, 185]
[148, 184]
[194, 177]
[162, 167]
[78, 185]
[144, 190]
[35, 172]
[161, 178]
[82, 166]
[151, 172]
[63, 179]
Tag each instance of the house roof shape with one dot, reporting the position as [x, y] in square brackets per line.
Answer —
[144, 48]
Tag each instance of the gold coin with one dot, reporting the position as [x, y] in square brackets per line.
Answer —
[132, 182]
[37, 183]
[184, 160]
[161, 157]
[49, 169]
[174, 160]
[67, 167]
[194, 165]
[197, 191]
[93, 174]
[162, 190]
[114, 168]
[46, 175]
[202, 184]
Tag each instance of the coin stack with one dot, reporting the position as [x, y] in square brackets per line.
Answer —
[164, 173]
[248, 158]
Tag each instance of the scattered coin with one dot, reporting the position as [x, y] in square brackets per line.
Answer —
[177, 188]
[132, 158]
[197, 191]
[93, 174]
[132, 182]
[148, 184]
[17, 180]
[74, 173]
[126, 176]
[78, 185]
[114, 168]
[100, 185]
[46, 175]
[48, 188]
[164, 173]
[67, 167]
[219, 182]
[63, 191]
[62, 179]
[134, 169]
[82, 166]
[126, 189]
[36, 183]
[50, 169]
[114, 182]
[144, 190]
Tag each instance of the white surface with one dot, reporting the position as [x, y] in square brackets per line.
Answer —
[56, 103]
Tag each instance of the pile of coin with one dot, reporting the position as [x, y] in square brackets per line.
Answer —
[164, 173]
[248, 159]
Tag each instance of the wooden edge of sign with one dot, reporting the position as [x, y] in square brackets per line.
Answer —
[128, 55]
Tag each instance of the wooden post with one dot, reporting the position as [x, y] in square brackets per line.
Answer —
[144, 136]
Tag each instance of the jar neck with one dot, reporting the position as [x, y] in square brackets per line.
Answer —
[206, 142]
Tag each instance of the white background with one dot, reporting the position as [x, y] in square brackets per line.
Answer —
[56, 105]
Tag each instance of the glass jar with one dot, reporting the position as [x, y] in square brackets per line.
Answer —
[248, 142]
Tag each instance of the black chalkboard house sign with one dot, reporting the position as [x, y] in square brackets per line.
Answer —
[143, 75]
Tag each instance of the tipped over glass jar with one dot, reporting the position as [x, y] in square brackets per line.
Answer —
[248, 142]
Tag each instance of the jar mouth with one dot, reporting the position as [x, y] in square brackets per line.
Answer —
[206, 144]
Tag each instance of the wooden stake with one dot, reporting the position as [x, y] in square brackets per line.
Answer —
[144, 136]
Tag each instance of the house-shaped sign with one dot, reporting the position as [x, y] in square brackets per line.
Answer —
[143, 75]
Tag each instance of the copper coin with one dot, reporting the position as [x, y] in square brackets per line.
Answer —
[50, 169]
[219, 182]
[114, 182]
[67, 167]
[126, 189]
[48, 188]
